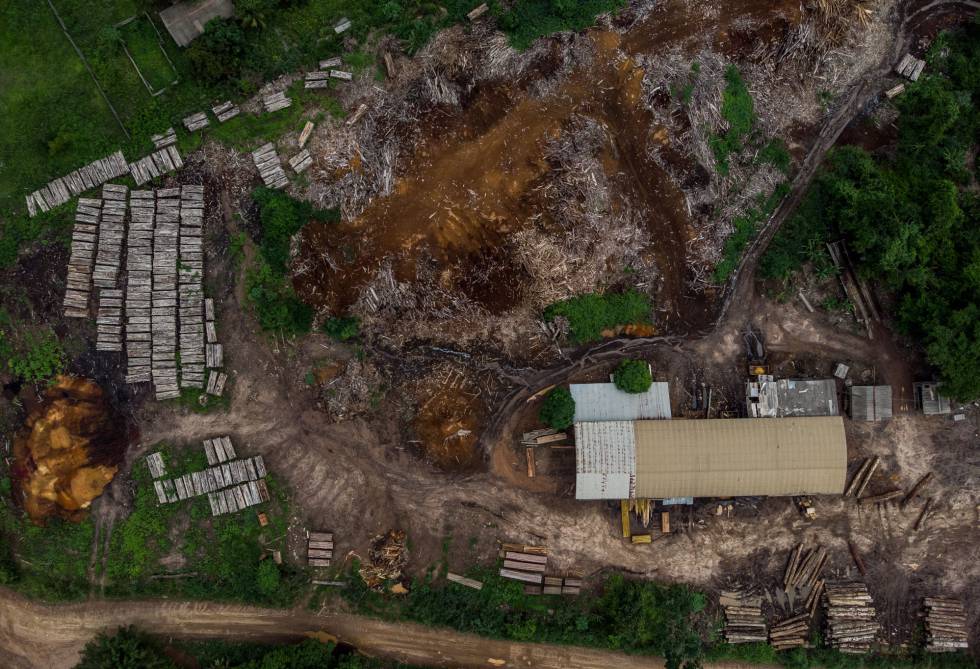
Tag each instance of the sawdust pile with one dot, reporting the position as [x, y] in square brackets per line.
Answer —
[68, 451]
[388, 558]
[449, 419]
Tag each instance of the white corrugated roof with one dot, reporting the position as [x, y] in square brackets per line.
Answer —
[605, 460]
[604, 401]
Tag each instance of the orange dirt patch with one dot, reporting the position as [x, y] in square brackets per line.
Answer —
[448, 422]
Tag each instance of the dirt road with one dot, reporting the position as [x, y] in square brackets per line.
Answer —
[35, 635]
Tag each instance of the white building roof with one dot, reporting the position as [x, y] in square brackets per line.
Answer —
[605, 460]
[604, 401]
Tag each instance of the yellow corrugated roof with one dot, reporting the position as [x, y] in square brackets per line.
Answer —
[740, 457]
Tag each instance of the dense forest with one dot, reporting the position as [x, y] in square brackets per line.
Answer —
[911, 215]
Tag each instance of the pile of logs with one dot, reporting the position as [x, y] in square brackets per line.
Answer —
[790, 633]
[276, 101]
[164, 139]
[225, 111]
[319, 548]
[83, 242]
[267, 162]
[744, 622]
[196, 121]
[524, 563]
[945, 625]
[910, 67]
[862, 477]
[851, 623]
[803, 573]
[64, 188]
[139, 285]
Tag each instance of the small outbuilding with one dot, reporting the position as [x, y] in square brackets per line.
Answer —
[185, 21]
[604, 401]
[929, 399]
[784, 398]
[871, 403]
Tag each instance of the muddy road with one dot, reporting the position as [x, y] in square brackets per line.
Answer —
[35, 636]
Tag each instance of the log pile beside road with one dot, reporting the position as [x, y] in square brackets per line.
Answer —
[945, 625]
[744, 622]
[851, 617]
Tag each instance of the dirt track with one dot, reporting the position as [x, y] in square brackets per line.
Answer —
[35, 635]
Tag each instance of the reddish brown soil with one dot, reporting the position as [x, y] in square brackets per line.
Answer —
[448, 426]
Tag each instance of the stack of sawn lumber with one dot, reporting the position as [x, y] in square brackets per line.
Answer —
[105, 276]
[744, 622]
[945, 625]
[166, 232]
[139, 285]
[267, 162]
[159, 162]
[276, 101]
[910, 67]
[851, 623]
[83, 242]
[191, 290]
[64, 188]
[524, 563]
[319, 548]
[225, 111]
[556, 585]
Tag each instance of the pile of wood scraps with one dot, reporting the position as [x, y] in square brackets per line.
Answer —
[744, 622]
[851, 617]
[319, 548]
[388, 558]
[946, 630]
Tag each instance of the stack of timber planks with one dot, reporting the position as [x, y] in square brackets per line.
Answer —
[219, 450]
[851, 623]
[910, 67]
[164, 297]
[224, 477]
[524, 563]
[238, 497]
[341, 74]
[216, 379]
[329, 63]
[557, 585]
[105, 276]
[319, 548]
[157, 163]
[191, 289]
[317, 79]
[139, 285]
[83, 243]
[301, 161]
[342, 25]
[164, 139]
[744, 622]
[945, 625]
[225, 111]
[75, 183]
[276, 101]
[267, 162]
[154, 461]
[196, 121]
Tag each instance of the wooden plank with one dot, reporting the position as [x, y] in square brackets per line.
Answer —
[462, 580]
[524, 566]
[525, 557]
[529, 452]
[665, 522]
[521, 576]
[624, 509]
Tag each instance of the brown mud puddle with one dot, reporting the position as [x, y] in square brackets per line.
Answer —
[447, 423]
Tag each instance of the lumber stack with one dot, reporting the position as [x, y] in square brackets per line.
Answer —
[75, 183]
[139, 285]
[910, 67]
[276, 101]
[267, 162]
[154, 461]
[225, 111]
[216, 379]
[317, 79]
[556, 585]
[328, 63]
[524, 563]
[159, 162]
[744, 622]
[342, 25]
[464, 581]
[862, 477]
[83, 243]
[219, 450]
[851, 617]
[105, 276]
[238, 497]
[164, 139]
[790, 633]
[163, 328]
[319, 548]
[191, 289]
[945, 625]
[341, 74]
[301, 161]
[196, 121]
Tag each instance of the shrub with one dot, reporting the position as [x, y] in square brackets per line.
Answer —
[342, 329]
[217, 55]
[128, 648]
[588, 315]
[275, 303]
[633, 376]
[738, 110]
[29, 354]
[558, 409]
[280, 217]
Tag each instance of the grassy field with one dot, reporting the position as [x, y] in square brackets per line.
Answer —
[145, 46]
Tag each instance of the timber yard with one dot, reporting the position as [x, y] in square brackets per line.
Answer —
[510, 334]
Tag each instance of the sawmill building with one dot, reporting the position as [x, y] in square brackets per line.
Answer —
[657, 459]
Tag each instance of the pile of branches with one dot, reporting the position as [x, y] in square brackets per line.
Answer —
[387, 559]
[350, 393]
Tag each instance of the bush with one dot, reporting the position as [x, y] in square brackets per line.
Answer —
[588, 315]
[281, 217]
[342, 329]
[217, 55]
[558, 409]
[633, 376]
[32, 355]
[275, 303]
[128, 648]
[738, 110]
[528, 20]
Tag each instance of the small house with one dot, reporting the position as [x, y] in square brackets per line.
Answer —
[786, 398]
[928, 398]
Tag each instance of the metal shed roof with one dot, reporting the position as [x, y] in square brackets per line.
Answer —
[605, 460]
[930, 400]
[604, 401]
[871, 402]
[185, 21]
[792, 397]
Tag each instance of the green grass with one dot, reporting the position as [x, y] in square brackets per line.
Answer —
[746, 227]
[588, 315]
[146, 48]
[738, 110]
